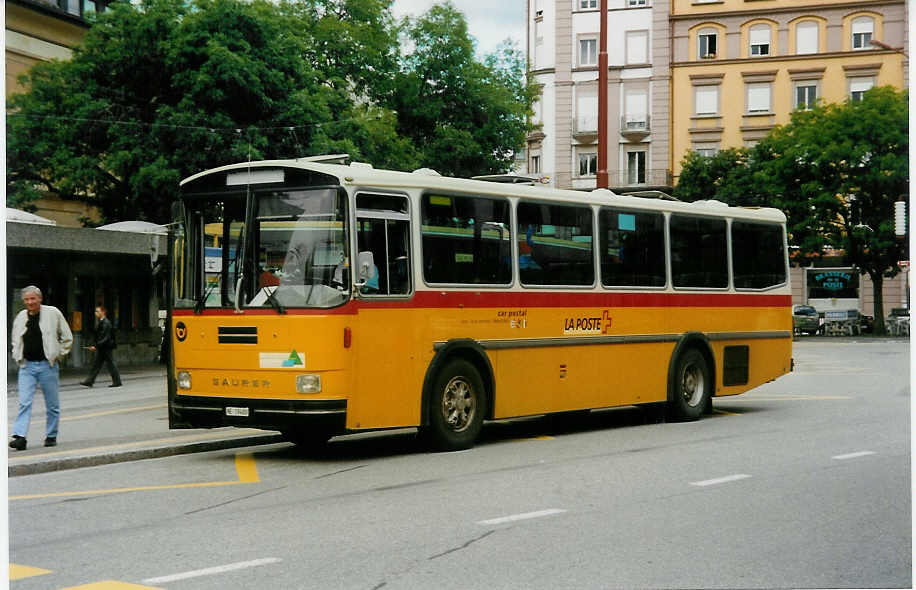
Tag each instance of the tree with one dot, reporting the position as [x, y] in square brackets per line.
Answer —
[836, 170]
[465, 117]
[725, 176]
[167, 88]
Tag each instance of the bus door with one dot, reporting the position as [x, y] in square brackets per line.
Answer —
[384, 335]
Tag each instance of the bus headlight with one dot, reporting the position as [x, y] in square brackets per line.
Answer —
[308, 383]
[184, 380]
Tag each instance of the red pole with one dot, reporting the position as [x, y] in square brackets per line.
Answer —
[602, 99]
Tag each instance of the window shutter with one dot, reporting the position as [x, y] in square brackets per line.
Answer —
[806, 37]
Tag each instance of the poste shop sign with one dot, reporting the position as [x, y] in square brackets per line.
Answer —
[833, 280]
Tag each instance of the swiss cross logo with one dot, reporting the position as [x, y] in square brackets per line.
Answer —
[605, 321]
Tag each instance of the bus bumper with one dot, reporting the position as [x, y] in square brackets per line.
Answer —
[266, 414]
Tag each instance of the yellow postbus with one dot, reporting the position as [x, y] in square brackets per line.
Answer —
[317, 299]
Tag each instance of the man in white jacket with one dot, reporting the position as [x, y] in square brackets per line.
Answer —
[40, 337]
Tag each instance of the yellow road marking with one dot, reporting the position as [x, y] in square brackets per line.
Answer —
[18, 572]
[171, 439]
[244, 466]
[724, 413]
[110, 412]
[109, 585]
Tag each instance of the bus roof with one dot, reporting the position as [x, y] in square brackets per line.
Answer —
[365, 176]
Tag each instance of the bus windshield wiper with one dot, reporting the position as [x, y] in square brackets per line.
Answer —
[273, 299]
[202, 300]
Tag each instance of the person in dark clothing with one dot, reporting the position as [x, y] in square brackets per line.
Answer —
[104, 348]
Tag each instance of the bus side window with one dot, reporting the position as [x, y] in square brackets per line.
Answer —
[382, 234]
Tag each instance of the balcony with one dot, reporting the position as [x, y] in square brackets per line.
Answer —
[585, 129]
[634, 127]
[628, 180]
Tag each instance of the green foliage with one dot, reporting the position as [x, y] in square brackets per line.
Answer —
[167, 88]
[724, 177]
[465, 117]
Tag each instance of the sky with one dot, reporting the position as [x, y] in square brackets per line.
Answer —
[489, 21]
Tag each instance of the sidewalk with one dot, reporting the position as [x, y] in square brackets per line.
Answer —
[102, 425]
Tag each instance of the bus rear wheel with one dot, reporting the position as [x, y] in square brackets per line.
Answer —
[691, 388]
[456, 407]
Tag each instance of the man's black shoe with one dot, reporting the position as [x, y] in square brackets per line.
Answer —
[18, 443]
[51, 441]
[115, 385]
[86, 383]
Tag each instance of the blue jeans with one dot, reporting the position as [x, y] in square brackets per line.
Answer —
[31, 375]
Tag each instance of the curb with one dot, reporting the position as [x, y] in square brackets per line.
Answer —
[45, 466]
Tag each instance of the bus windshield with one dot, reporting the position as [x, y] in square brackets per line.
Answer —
[294, 246]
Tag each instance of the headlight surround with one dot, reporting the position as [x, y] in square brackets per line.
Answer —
[308, 383]
[184, 380]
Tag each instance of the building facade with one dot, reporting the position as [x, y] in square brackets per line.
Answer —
[563, 59]
[740, 67]
[37, 31]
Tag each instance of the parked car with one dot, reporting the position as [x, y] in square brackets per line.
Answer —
[805, 320]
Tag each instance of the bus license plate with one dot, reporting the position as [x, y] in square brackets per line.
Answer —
[243, 412]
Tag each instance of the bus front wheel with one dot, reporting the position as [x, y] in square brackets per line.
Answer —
[456, 407]
[691, 388]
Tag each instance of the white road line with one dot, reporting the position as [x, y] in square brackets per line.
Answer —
[852, 455]
[718, 480]
[525, 516]
[212, 570]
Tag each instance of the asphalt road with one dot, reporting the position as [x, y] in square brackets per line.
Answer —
[805, 482]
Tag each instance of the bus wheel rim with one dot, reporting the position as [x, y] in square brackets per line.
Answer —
[692, 384]
[458, 404]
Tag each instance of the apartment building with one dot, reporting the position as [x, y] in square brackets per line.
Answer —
[563, 59]
[42, 30]
[740, 67]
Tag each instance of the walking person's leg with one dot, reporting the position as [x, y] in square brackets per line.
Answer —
[27, 383]
[112, 369]
[94, 371]
[49, 378]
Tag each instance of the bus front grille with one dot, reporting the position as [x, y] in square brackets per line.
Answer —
[238, 335]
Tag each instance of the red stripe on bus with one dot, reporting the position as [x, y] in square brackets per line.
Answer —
[553, 299]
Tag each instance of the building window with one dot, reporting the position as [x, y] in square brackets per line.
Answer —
[538, 9]
[806, 34]
[862, 30]
[706, 40]
[858, 87]
[588, 164]
[636, 167]
[636, 2]
[805, 96]
[760, 40]
[586, 108]
[707, 100]
[94, 6]
[637, 47]
[758, 97]
[635, 110]
[706, 152]
[588, 4]
[535, 167]
[588, 52]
